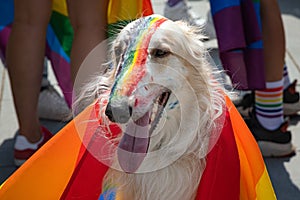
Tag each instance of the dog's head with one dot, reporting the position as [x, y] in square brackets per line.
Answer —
[160, 92]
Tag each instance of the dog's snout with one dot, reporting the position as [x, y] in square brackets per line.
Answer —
[108, 112]
[119, 113]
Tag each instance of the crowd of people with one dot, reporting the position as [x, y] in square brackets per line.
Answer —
[266, 117]
[25, 60]
[257, 47]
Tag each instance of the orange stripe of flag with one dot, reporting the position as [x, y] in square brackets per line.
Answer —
[251, 161]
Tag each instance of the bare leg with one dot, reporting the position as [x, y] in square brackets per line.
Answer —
[269, 102]
[89, 20]
[274, 39]
[25, 57]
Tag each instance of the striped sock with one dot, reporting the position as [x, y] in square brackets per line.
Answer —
[286, 79]
[268, 105]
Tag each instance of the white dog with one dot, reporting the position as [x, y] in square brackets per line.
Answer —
[161, 91]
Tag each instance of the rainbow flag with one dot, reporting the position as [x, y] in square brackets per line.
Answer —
[60, 33]
[64, 169]
[238, 30]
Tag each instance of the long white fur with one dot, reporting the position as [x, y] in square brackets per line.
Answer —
[180, 178]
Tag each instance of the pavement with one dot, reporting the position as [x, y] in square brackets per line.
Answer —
[284, 172]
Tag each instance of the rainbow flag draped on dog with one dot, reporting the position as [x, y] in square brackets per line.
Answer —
[65, 169]
[60, 33]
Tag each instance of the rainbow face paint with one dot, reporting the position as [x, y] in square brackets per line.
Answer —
[130, 71]
[131, 68]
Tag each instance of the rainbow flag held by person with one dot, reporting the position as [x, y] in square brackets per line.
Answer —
[60, 33]
[239, 34]
[65, 169]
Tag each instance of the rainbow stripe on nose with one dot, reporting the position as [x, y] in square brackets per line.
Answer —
[132, 69]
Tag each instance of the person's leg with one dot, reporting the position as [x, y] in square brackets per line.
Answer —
[45, 81]
[273, 39]
[286, 78]
[25, 57]
[269, 102]
[173, 2]
[89, 20]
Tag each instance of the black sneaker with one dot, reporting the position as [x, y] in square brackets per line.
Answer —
[275, 143]
[291, 102]
[246, 104]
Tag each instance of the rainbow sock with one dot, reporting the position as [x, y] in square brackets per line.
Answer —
[268, 105]
[286, 79]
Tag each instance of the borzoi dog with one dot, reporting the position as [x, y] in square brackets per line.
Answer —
[161, 91]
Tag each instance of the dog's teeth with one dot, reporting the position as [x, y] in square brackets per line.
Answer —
[154, 111]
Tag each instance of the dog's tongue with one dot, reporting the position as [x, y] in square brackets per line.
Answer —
[134, 144]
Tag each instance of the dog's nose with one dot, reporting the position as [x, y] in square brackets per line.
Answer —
[119, 113]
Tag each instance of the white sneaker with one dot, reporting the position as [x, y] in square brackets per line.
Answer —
[52, 106]
[182, 12]
[209, 28]
[23, 149]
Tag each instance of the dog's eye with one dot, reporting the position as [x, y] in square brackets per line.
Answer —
[160, 53]
[118, 51]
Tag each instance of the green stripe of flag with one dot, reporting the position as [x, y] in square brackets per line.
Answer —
[63, 30]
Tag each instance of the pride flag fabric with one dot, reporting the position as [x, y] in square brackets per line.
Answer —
[60, 33]
[65, 169]
[238, 30]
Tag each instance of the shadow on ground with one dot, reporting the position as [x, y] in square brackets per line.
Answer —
[7, 166]
[284, 188]
[290, 7]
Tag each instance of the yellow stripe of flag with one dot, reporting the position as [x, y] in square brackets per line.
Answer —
[60, 6]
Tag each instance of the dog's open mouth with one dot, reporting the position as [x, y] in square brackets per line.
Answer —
[134, 144]
[158, 109]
